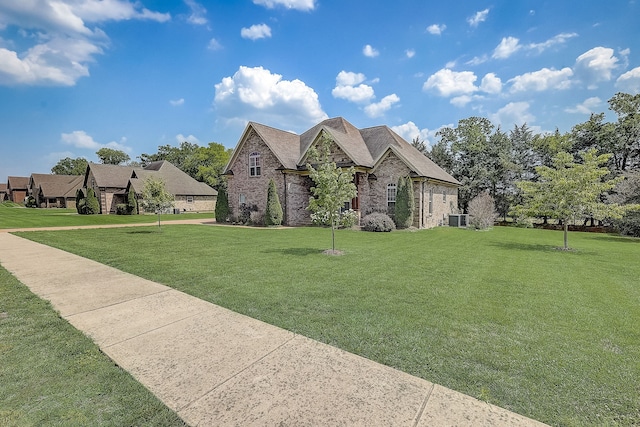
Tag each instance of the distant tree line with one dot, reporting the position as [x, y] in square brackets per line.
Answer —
[205, 164]
[485, 158]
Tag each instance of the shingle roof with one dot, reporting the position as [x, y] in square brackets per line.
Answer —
[18, 182]
[112, 176]
[176, 181]
[56, 185]
[365, 147]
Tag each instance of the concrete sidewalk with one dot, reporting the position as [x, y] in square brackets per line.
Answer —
[215, 367]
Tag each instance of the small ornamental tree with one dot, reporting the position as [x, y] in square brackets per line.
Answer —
[570, 190]
[333, 186]
[482, 211]
[80, 201]
[405, 203]
[222, 205]
[132, 202]
[273, 213]
[155, 197]
[92, 206]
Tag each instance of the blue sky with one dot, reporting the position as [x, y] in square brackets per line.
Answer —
[78, 75]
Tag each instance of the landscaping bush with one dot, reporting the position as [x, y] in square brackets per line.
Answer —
[91, 203]
[132, 203]
[377, 221]
[629, 224]
[122, 209]
[257, 218]
[222, 212]
[404, 203]
[482, 211]
[273, 213]
[80, 201]
[30, 202]
[244, 217]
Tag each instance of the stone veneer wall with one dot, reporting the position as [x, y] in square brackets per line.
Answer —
[254, 188]
[199, 204]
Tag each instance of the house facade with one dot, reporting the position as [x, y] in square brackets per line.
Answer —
[54, 191]
[379, 155]
[17, 188]
[112, 183]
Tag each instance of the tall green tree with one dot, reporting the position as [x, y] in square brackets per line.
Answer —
[333, 186]
[69, 166]
[405, 203]
[420, 145]
[569, 190]
[155, 197]
[132, 202]
[627, 130]
[273, 212]
[109, 156]
[80, 201]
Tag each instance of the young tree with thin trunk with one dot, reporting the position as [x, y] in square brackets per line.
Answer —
[155, 197]
[570, 190]
[333, 186]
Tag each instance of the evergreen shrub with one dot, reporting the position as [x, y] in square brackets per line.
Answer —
[273, 212]
[377, 221]
[222, 212]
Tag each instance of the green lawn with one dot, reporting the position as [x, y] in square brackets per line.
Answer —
[20, 217]
[500, 315]
[52, 375]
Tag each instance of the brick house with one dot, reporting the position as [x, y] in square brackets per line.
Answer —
[111, 184]
[17, 188]
[379, 156]
[3, 192]
[54, 191]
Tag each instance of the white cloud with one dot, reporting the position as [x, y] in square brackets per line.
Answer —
[349, 86]
[491, 84]
[410, 53]
[436, 29]
[198, 13]
[543, 79]
[180, 138]
[447, 82]
[369, 51]
[214, 45]
[63, 46]
[559, 39]
[379, 108]
[408, 131]
[477, 60]
[348, 78]
[255, 32]
[303, 5]
[80, 139]
[177, 102]
[461, 101]
[360, 93]
[507, 47]
[257, 94]
[595, 65]
[587, 107]
[479, 17]
[630, 81]
[514, 113]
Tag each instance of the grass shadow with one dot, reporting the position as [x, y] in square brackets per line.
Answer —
[534, 247]
[615, 238]
[145, 231]
[295, 251]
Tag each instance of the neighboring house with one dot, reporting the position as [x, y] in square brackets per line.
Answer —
[3, 192]
[379, 156]
[189, 194]
[54, 191]
[17, 188]
[111, 184]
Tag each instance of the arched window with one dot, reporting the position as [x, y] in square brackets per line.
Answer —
[392, 190]
[254, 164]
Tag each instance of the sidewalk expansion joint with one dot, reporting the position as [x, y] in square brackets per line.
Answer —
[158, 328]
[238, 373]
[68, 316]
[423, 406]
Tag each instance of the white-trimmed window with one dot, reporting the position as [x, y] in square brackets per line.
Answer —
[189, 199]
[392, 191]
[444, 196]
[254, 164]
[242, 199]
